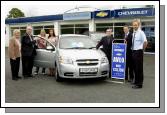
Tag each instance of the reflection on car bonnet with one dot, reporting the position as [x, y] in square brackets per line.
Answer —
[79, 44]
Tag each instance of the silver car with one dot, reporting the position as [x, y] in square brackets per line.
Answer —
[75, 56]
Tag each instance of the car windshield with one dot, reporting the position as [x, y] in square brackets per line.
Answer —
[97, 36]
[76, 42]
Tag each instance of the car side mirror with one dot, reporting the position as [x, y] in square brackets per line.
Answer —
[50, 48]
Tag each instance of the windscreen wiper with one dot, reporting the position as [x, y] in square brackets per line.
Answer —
[91, 47]
[76, 48]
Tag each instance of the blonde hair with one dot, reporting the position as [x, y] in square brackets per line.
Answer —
[16, 31]
[29, 26]
[138, 21]
[43, 31]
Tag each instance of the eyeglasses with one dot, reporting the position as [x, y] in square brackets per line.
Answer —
[108, 31]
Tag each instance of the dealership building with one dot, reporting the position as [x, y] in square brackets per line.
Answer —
[86, 22]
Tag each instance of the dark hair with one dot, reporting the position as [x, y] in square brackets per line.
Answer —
[53, 33]
[126, 26]
[109, 29]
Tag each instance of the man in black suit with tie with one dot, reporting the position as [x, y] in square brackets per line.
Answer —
[106, 42]
[129, 75]
[28, 51]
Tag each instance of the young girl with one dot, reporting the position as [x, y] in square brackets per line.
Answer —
[53, 39]
[41, 45]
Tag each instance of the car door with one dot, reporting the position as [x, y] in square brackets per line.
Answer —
[45, 56]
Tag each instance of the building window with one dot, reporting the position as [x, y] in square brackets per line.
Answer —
[82, 29]
[47, 28]
[22, 31]
[67, 31]
[149, 29]
[150, 34]
[75, 29]
[101, 27]
[12, 29]
[118, 29]
[37, 29]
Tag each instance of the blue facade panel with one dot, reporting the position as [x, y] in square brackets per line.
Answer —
[34, 19]
[120, 13]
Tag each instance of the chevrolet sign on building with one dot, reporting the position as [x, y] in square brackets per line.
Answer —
[134, 12]
[102, 14]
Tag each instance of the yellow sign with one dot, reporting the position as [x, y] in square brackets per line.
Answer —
[102, 14]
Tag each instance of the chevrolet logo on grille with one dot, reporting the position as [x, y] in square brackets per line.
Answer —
[87, 62]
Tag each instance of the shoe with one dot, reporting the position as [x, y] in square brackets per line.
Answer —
[130, 81]
[35, 73]
[137, 86]
[19, 77]
[25, 76]
[30, 75]
[43, 73]
[15, 79]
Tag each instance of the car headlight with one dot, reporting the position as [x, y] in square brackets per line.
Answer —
[104, 60]
[65, 60]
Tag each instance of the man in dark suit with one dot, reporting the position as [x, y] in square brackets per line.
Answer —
[106, 42]
[28, 51]
[129, 75]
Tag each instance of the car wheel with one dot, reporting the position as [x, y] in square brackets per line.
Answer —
[58, 78]
[104, 78]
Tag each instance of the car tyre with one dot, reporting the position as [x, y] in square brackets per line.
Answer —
[104, 78]
[58, 78]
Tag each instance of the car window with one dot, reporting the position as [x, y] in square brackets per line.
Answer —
[42, 43]
[76, 42]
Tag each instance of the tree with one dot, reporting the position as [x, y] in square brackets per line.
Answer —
[15, 13]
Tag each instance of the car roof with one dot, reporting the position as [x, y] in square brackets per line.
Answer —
[70, 35]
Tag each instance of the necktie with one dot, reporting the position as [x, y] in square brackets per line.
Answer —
[31, 40]
[133, 40]
[109, 40]
[125, 36]
[30, 37]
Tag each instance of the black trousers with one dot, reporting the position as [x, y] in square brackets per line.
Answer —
[109, 59]
[108, 54]
[15, 64]
[129, 67]
[137, 56]
[27, 65]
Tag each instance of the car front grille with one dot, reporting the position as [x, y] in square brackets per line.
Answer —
[87, 62]
[88, 74]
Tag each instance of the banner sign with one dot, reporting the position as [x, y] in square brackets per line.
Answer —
[118, 60]
[77, 16]
[102, 14]
[134, 12]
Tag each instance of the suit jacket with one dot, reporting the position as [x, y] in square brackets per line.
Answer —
[14, 48]
[129, 41]
[106, 42]
[28, 46]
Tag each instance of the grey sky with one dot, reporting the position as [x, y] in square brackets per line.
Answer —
[38, 10]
